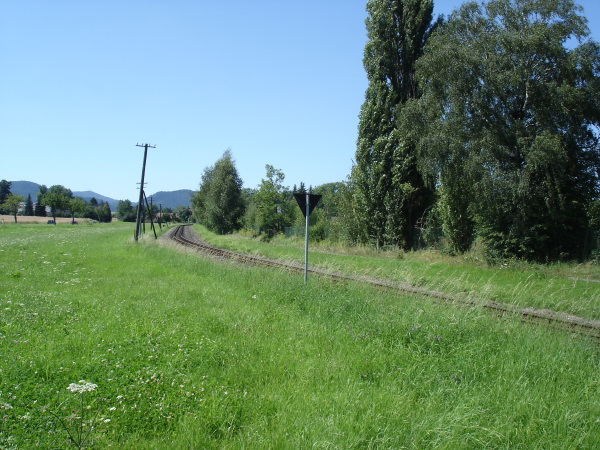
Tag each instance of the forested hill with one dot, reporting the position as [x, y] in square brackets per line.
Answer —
[24, 188]
[169, 199]
[172, 199]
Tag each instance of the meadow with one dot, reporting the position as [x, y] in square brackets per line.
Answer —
[184, 352]
[563, 287]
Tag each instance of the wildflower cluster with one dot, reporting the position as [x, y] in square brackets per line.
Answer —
[80, 424]
[81, 387]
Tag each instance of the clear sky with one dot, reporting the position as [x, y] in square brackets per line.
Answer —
[278, 82]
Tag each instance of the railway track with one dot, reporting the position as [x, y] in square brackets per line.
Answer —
[185, 236]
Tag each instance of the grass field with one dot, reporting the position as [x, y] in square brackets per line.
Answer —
[563, 287]
[188, 353]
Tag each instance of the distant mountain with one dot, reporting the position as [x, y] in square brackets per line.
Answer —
[88, 195]
[25, 188]
[172, 199]
[169, 199]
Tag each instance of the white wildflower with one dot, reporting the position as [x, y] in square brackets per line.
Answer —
[82, 386]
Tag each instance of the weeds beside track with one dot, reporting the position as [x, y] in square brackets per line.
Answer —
[184, 235]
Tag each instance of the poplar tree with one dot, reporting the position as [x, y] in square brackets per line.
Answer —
[390, 192]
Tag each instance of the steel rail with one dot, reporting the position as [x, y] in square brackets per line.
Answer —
[184, 236]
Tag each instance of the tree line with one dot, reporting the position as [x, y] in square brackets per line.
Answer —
[485, 125]
[127, 212]
[479, 128]
[62, 203]
[224, 206]
[57, 198]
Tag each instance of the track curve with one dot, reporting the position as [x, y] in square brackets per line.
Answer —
[185, 236]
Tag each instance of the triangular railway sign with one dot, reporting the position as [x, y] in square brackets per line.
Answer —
[313, 200]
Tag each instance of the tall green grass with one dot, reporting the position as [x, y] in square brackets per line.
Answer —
[567, 287]
[190, 353]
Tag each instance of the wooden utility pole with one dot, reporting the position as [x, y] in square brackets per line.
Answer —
[140, 208]
[150, 213]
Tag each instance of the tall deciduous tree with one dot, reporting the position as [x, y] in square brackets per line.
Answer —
[77, 205]
[57, 198]
[218, 204]
[390, 193]
[12, 203]
[125, 211]
[273, 210]
[513, 118]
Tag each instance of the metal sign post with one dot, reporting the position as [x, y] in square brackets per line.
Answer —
[306, 215]
[307, 203]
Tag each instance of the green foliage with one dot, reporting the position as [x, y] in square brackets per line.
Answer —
[104, 212]
[331, 199]
[97, 211]
[4, 190]
[12, 204]
[218, 204]
[183, 213]
[57, 198]
[508, 125]
[272, 206]
[389, 190]
[77, 206]
[325, 221]
[206, 355]
[40, 208]
[454, 208]
[28, 211]
[125, 211]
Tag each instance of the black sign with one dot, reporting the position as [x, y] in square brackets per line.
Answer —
[313, 200]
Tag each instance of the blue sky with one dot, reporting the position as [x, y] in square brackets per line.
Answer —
[279, 82]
